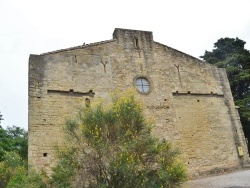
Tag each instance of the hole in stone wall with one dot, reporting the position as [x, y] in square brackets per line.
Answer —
[177, 91]
[165, 99]
[87, 102]
[198, 100]
[236, 130]
[71, 90]
[188, 92]
[45, 154]
[212, 93]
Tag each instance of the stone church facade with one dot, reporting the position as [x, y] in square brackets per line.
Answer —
[190, 101]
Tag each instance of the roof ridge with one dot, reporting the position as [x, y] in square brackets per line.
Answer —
[79, 47]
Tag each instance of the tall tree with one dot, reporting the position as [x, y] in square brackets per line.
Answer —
[230, 53]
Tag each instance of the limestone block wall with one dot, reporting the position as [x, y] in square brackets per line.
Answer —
[189, 100]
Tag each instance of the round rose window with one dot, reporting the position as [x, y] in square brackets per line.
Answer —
[142, 85]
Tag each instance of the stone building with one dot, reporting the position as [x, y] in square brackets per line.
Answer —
[190, 101]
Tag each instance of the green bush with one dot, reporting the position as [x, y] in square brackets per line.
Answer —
[27, 181]
[112, 146]
[11, 166]
[14, 173]
[63, 173]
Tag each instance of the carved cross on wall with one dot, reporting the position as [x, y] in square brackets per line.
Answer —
[72, 93]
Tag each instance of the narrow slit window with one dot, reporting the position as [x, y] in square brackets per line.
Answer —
[136, 43]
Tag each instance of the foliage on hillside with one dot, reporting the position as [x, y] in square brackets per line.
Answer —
[13, 155]
[14, 139]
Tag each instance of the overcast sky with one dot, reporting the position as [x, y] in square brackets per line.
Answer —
[34, 27]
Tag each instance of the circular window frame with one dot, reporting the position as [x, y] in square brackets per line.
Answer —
[149, 84]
